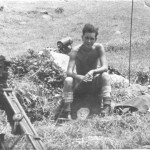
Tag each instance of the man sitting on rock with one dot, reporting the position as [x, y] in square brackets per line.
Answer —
[88, 77]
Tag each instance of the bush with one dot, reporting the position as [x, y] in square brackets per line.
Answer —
[38, 83]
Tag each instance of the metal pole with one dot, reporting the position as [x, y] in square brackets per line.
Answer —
[130, 43]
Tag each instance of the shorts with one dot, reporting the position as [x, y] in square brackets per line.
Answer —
[91, 88]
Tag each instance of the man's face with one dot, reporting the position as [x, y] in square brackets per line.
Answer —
[88, 39]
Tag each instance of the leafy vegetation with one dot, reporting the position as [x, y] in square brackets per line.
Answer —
[38, 82]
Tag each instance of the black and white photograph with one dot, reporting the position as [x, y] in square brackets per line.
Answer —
[74, 74]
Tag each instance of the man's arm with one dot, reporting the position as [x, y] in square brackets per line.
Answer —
[102, 59]
[71, 66]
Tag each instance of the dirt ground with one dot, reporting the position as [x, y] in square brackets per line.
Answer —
[35, 24]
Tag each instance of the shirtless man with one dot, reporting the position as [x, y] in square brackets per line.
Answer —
[88, 77]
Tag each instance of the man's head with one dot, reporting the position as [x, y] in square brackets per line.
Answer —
[89, 35]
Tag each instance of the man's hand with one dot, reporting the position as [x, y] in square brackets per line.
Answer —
[89, 76]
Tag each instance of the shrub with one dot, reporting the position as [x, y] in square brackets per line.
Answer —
[37, 80]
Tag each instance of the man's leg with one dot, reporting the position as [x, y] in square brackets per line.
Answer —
[101, 85]
[68, 94]
[106, 93]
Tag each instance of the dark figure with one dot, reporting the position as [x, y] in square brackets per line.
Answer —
[83, 74]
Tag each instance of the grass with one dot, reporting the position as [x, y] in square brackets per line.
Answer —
[115, 132]
[25, 27]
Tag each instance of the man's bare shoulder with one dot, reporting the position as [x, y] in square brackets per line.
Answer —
[74, 51]
[76, 48]
[98, 45]
[99, 48]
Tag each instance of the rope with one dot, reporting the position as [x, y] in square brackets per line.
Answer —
[130, 43]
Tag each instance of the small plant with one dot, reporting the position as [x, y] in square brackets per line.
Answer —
[142, 78]
[59, 10]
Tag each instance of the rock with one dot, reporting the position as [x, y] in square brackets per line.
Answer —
[147, 3]
[1, 8]
[118, 81]
[41, 53]
[118, 32]
[46, 17]
[134, 90]
[145, 147]
[61, 60]
[23, 23]
[44, 12]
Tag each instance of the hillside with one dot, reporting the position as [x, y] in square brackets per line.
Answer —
[24, 26]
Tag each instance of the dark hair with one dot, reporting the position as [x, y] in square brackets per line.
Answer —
[90, 28]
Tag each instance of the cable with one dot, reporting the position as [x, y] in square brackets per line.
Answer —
[130, 43]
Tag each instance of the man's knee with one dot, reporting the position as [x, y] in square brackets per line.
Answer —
[68, 81]
[105, 77]
[106, 88]
[68, 92]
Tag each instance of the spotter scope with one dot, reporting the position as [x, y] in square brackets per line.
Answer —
[65, 45]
